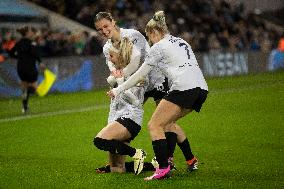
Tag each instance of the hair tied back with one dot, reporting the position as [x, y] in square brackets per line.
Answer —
[159, 17]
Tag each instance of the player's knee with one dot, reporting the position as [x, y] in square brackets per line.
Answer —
[100, 143]
[154, 126]
[104, 144]
[149, 126]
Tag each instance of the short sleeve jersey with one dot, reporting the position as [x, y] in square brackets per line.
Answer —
[120, 107]
[176, 60]
[155, 77]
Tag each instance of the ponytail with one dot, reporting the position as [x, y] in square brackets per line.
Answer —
[126, 50]
[158, 22]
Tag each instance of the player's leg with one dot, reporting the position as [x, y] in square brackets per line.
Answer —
[24, 87]
[170, 131]
[117, 163]
[29, 79]
[32, 88]
[175, 135]
[29, 89]
[171, 138]
[112, 137]
[184, 145]
[165, 114]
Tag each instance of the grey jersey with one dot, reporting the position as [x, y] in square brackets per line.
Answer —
[155, 77]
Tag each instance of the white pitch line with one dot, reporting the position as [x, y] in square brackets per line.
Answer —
[92, 108]
[48, 114]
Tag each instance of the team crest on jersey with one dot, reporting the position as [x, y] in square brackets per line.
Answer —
[134, 41]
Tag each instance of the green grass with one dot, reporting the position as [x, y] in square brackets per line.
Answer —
[238, 138]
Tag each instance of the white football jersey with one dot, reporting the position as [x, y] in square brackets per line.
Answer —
[121, 107]
[176, 60]
[135, 37]
[155, 77]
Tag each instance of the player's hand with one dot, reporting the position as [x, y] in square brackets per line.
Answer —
[117, 73]
[110, 94]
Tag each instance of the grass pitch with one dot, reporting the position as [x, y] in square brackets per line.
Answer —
[237, 137]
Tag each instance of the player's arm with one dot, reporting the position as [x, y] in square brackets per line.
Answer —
[139, 75]
[134, 63]
[152, 59]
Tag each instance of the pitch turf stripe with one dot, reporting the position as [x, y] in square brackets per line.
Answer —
[247, 88]
[48, 114]
[92, 108]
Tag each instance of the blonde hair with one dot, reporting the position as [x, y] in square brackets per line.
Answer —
[124, 50]
[158, 22]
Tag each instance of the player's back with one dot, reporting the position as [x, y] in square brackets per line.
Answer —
[179, 64]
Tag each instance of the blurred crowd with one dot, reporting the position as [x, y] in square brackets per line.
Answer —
[208, 25]
[56, 42]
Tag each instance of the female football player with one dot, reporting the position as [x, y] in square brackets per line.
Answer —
[157, 85]
[125, 117]
[188, 88]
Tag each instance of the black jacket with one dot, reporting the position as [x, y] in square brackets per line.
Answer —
[27, 54]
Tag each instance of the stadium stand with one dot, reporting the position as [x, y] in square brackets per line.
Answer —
[53, 38]
[226, 25]
[229, 37]
[53, 42]
[14, 14]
